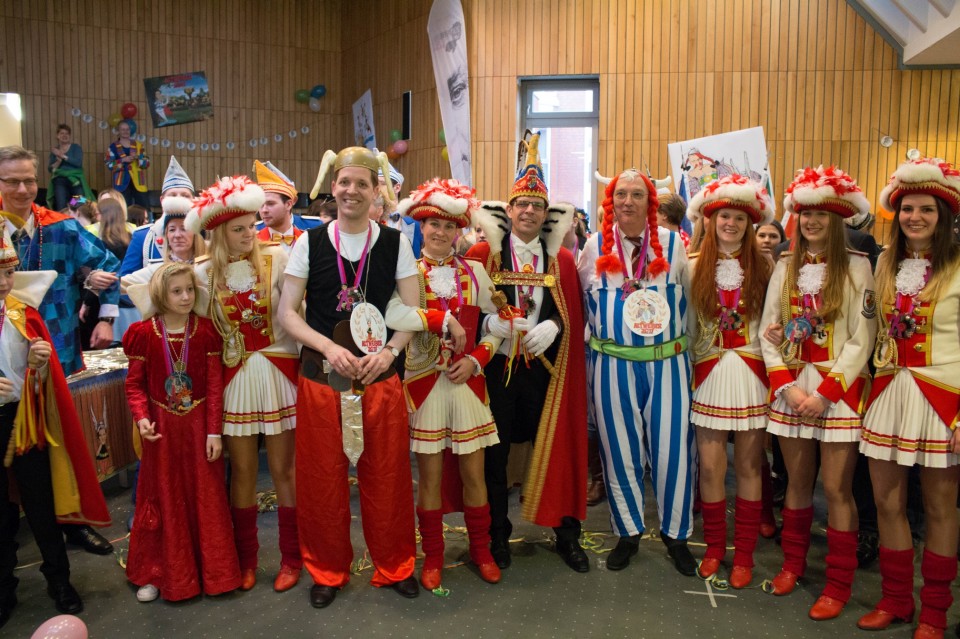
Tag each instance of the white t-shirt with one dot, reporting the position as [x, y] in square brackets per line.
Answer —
[351, 247]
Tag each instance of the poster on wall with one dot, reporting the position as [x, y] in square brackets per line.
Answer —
[448, 47]
[698, 162]
[363, 132]
[178, 99]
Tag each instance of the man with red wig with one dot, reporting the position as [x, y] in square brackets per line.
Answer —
[636, 280]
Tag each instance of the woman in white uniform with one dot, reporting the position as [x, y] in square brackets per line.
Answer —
[728, 286]
[821, 298]
[915, 402]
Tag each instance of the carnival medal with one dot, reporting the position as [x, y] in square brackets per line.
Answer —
[646, 313]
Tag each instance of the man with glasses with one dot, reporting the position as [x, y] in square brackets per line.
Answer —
[45, 240]
[534, 377]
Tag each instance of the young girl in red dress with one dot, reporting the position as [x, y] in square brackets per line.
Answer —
[175, 391]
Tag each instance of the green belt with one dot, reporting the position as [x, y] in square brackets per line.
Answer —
[640, 353]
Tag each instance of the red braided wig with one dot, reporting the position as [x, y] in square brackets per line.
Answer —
[609, 262]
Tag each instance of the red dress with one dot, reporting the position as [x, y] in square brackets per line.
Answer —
[182, 522]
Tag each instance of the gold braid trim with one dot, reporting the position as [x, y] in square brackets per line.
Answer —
[708, 334]
[787, 348]
[543, 447]
[426, 343]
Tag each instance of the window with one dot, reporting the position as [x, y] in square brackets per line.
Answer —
[566, 111]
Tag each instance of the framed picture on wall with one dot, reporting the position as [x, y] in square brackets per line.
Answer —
[178, 99]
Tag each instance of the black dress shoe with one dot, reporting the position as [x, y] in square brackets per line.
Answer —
[408, 587]
[322, 596]
[6, 608]
[681, 555]
[88, 539]
[500, 549]
[65, 597]
[868, 549]
[620, 556]
[571, 552]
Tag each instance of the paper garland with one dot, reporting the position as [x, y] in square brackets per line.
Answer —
[189, 145]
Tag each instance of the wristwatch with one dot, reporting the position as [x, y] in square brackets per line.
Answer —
[395, 351]
[108, 320]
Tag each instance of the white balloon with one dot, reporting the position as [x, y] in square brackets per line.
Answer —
[154, 141]
[253, 143]
[102, 124]
[87, 118]
[264, 141]
[204, 147]
[292, 134]
[314, 104]
[181, 144]
[230, 146]
[305, 130]
[192, 146]
[165, 144]
[278, 137]
[75, 112]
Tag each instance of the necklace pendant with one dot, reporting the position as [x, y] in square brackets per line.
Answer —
[630, 286]
[180, 367]
[179, 388]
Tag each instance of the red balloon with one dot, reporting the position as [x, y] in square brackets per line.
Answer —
[128, 111]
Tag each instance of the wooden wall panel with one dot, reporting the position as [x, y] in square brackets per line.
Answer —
[821, 82]
[94, 54]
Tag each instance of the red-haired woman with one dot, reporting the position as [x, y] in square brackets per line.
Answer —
[915, 402]
[821, 298]
[729, 377]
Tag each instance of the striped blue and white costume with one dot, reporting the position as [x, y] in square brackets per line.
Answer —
[642, 408]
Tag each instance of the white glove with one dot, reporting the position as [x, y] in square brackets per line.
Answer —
[505, 329]
[540, 337]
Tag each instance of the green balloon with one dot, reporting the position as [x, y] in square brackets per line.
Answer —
[443, 137]
[302, 96]
[395, 135]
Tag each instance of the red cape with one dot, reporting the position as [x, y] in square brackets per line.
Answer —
[83, 476]
[556, 483]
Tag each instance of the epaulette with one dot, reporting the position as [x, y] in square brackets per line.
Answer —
[690, 256]
[200, 260]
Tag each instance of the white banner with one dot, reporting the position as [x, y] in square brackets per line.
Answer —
[363, 131]
[448, 46]
[696, 163]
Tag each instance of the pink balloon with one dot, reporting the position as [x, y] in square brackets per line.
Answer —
[400, 147]
[61, 627]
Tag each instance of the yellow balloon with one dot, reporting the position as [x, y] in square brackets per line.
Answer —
[445, 154]
[114, 119]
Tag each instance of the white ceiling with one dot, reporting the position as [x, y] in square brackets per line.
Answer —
[925, 32]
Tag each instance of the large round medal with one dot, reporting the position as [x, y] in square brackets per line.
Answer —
[368, 329]
[646, 313]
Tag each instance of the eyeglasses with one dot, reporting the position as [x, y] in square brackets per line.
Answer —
[528, 204]
[14, 183]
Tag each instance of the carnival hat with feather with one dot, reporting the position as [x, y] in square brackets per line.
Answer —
[357, 156]
[173, 206]
[529, 180]
[272, 180]
[929, 176]
[442, 199]
[227, 199]
[732, 192]
[825, 189]
[609, 261]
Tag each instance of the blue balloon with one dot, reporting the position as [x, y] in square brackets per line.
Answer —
[318, 91]
[132, 125]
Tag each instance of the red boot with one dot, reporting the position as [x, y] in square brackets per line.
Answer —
[714, 535]
[841, 564]
[431, 540]
[746, 528]
[795, 541]
[477, 519]
[290, 560]
[935, 597]
[245, 536]
[896, 605]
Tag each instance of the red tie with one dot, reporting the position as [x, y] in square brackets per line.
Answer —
[635, 254]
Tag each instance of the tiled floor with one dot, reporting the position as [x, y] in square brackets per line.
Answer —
[538, 597]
